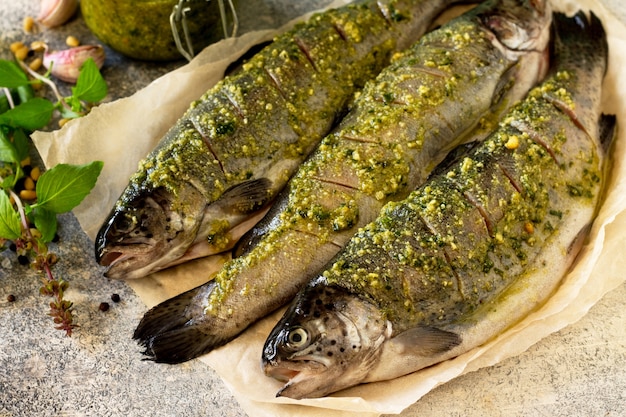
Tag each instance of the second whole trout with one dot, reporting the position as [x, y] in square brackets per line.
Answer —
[237, 146]
[399, 129]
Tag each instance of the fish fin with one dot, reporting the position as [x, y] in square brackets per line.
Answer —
[608, 130]
[169, 314]
[248, 196]
[174, 331]
[426, 340]
[270, 221]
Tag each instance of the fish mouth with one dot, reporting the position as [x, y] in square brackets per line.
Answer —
[111, 258]
[124, 265]
[138, 261]
[307, 371]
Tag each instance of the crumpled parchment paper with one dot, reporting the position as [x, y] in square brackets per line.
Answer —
[112, 133]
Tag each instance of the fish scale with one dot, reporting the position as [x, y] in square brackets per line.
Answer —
[480, 245]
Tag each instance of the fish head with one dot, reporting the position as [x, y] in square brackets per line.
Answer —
[519, 25]
[148, 230]
[328, 340]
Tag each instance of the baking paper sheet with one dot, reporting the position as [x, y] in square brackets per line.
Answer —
[111, 134]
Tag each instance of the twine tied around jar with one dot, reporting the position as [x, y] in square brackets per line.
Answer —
[178, 20]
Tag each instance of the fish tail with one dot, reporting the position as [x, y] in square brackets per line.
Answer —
[171, 332]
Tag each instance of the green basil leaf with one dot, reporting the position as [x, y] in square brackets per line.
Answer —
[64, 186]
[90, 86]
[8, 152]
[46, 223]
[32, 115]
[11, 75]
[21, 143]
[10, 225]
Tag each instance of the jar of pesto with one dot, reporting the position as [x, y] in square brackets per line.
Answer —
[147, 29]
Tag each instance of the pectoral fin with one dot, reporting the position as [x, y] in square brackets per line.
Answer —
[412, 350]
[248, 196]
[425, 341]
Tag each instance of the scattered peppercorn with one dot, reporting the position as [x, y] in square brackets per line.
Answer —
[104, 306]
[115, 298]
[23, 260]
[10, 298]
[13, 247]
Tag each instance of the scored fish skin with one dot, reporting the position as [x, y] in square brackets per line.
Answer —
[236, 147]
[399, 128]
[468, 254]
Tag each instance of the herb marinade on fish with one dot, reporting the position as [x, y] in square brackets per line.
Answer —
[469, 253]
[237, 146]
[399, 128]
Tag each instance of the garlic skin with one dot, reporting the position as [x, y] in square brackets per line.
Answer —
[56, 12]
[66, 64]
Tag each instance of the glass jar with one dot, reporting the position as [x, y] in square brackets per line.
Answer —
[141, 28]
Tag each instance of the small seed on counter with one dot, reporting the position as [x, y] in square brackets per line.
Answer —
[10, 298]
[29, 184]
[38, 46]
[28, 194]
[35, 173]
[72, 41]
[103, 306]
[35, 64]
[115, 298]
[15, 46]
[23, 260]
[28, 24]
[22, 53]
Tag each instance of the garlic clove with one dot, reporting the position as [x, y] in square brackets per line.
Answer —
[56, 12]
[66, 64]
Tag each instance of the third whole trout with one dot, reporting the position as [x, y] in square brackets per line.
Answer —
[477, 248]
[399, 129]
[237, 146]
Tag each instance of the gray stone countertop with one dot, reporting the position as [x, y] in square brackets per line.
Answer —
[578, 371]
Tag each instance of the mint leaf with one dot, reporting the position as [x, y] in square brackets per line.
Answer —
[64, 186]
[46, 223]
[90, 86]
[11, 75]
[31, 115]
[10, 226]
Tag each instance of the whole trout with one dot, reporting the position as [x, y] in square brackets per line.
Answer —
[400, 127]
[236, 147]
[469, 253]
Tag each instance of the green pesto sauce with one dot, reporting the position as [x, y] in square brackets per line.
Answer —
[406, 258]
[141, 28]
[246, 137]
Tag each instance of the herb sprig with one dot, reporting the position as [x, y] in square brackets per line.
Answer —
[28, 221]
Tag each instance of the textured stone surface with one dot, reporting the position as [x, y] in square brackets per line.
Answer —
[579, 371]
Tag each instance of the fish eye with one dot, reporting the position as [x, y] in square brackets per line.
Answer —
[126, 223]
[297, 338]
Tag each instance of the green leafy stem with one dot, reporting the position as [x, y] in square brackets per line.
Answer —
[29, 227]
